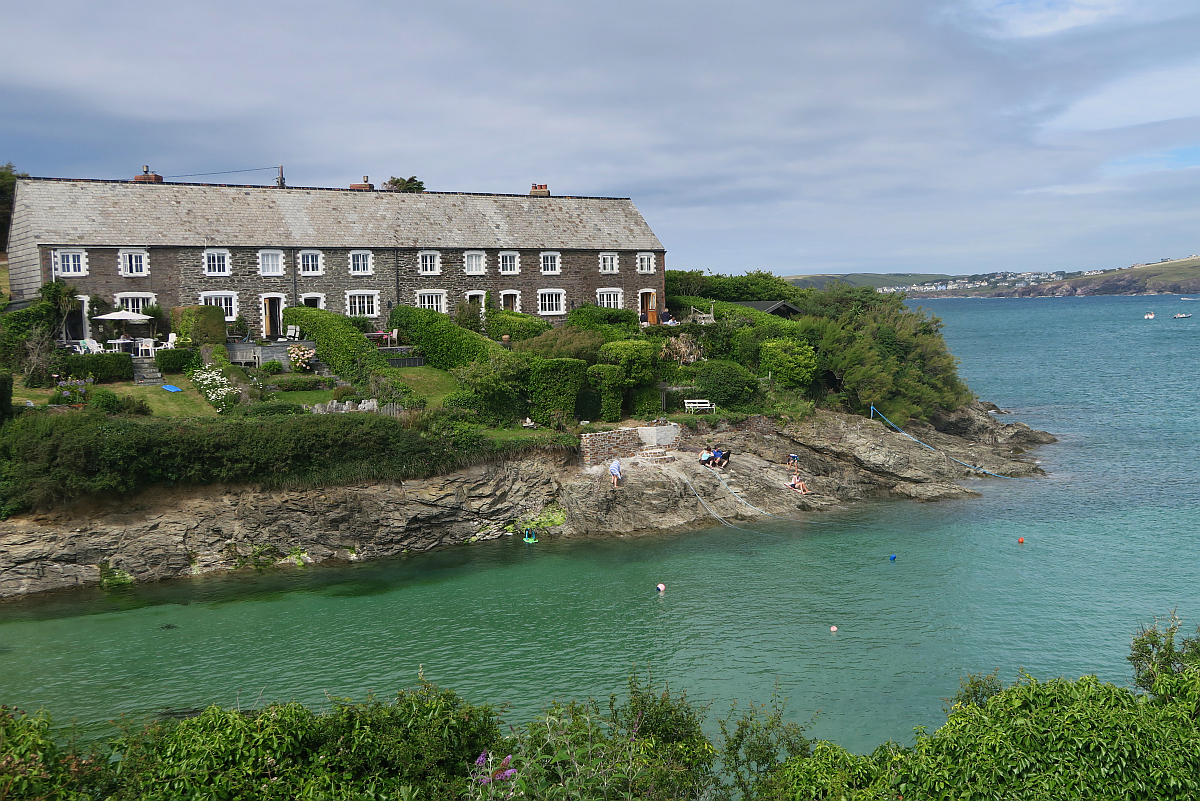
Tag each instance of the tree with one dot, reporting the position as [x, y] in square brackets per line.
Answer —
[8, 186]
[790, 361]
[409, 184]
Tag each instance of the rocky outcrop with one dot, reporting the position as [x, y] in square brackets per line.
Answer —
[164, 533]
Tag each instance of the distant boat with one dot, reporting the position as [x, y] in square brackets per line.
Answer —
[1182, 316]
[1149, 315]
[1189, 298]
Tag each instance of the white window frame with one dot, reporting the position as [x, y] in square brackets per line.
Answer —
[229, 318]
[620, 293]
[482, 262]
[479, 294]
[653, 263]
[438, 293]
[516, 260]
[148, 299]
[320, 296]
[282, 263]
[83, 262]
[217, 252]
[616, 263]
[370, 262]
[320, 263]
[562, 303]
[557, 263]
[374, 293]
[436, 256]
[124, 255]
[517, 305]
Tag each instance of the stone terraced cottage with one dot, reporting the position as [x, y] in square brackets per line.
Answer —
[253, 250]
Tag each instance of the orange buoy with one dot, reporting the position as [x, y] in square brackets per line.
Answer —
[833, 628]
[1021, 540]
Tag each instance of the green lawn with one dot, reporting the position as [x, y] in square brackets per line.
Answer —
[431, 383]
[307, 397]
[188, 403]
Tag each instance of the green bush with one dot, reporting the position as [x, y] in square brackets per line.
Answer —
[344, 393]
[608, 381]
[636, 358]
[498, 383]
[273, 367]
[388, 386]
[34, 766]
[646, 403]
[791, 362]
[444, 344]
[340, 344]
[466, 399]
[470, 317]
[727, 384]
[106, 400]
[101, 366]
[199, 325]
[518, 326]
[273, 408]
[612, 324]
[176, 360]
[6, 390]
[56, 300]
[302, 383]
[363, 324]
[554, 386]
[566, 342]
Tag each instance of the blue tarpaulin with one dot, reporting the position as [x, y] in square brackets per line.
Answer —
[171, 388]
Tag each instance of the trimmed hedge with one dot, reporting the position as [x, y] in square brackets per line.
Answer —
[200, 325]
[647, 403]
[554, 386]
[6, 388]
[302, 383]
[637, 359]
[791, 362]
[608, 380]
[727, 384]
[176, 360]
[444, 344]
[613, 324]
[101, 366]
[518, 326]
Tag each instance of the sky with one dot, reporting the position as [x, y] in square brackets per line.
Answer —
[798, 136]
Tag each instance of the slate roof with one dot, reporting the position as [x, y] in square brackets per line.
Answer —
[123, 213]
[770, 306]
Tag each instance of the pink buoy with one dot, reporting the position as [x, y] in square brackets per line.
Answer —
[833, 628]
[662, 587]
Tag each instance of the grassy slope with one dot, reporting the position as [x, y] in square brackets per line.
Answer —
[866, 279]
[307, 397]
[188, 403]
[431, 383]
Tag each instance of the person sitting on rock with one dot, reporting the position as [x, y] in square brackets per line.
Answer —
[706, 457]
[799, 485]
[721, 457]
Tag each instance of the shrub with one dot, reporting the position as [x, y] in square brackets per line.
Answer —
[339, 343]
[518, 326]
[470, 317]
[564, 343]
[301, 356]
[6, 389]
[636, 358]
[554, 386]
[791, 362]
[388, 386]
[302, 383]
[176, 360]
[726, 384]
[444, 344]
[199, 325]
[612, 324]
[272, 367]
[106, 400]
[340, 394]
[608, 381]
[498, 384]
[272, 408]
[466, 399]
[647, 403]
[100, 366]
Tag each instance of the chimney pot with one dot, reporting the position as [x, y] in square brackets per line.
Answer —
[365, 186]
[539, 190]
[147, 177]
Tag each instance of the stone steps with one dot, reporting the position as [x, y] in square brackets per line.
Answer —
[655, 454]
[145, 371]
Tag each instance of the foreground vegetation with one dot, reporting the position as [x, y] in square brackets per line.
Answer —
[1058, 739]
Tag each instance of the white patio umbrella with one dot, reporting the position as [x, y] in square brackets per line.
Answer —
[124, 316]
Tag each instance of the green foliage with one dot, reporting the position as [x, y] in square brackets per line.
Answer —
[566, 342]
[646, 403]
[1156, 657]
[107, 401]
[409, 184]
[612, 324]
[636, 358]
[344, 393]
[8, 185]
[33, 766]
[199, 325]
[387, 385]
[273, 408]
[470, 317]
[554, 386]
[727, 384]
[273, 367]
[38, 322]
[160, 318]
[362, 323]
[757, 285]
[444, 344]
[518, 326]
[177, 360]
[496, 385]
[101, 366]
[974, 690]
[6, 390]
[299, 383]
[755, 744]
[608, 381]
[791, 362]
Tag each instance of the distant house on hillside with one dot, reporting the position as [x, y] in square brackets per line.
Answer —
[253, 250]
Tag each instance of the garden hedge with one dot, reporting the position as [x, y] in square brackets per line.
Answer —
[444, 344]
[6, 388]
[200, 325]
[637, 359]
[301, 383]
[646, 403]
[608, 381]
[518, 326]
[554, 386]
[176, 360]
[613, 324]
[101, 366]
[727, 384]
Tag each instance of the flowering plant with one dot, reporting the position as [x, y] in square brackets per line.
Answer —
[486, 771]
[215, 387]
[301, 356]
[74, 390]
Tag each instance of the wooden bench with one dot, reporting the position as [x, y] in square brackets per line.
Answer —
[693, 406]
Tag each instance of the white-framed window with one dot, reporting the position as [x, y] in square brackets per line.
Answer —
[474, 262]
[216, 261]
[314, 299]
[430, 261]
[228, 301]
[610, 298]
[435, 301]
[362, 303]
[73, 262]
[134, 262]
[510, 300]
[609, 262]
[510, 262]
[270, 262]
[552, 301]
[477, 296]
[551, 263]
[362, 262]
[135, 301]
[312, 262]
[645, 262]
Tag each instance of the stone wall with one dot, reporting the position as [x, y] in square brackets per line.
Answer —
[602, 446]
[663, 436]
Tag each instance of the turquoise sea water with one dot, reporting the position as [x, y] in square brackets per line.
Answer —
[1110, 540]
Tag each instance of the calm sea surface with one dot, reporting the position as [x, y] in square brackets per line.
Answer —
[1110, 540]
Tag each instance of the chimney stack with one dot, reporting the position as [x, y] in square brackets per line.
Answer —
[147, 177]
[539, 190]
[365, 186]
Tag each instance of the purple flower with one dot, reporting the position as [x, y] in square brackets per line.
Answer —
[482, 759]
[508, 774]
[507, 761]
[485, 779]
